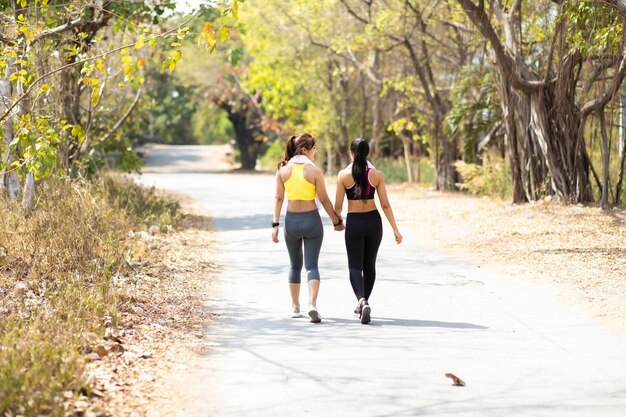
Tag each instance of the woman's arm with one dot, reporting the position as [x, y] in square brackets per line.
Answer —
[324, 200]
[278, 204]
[386, 206]
[339, 195]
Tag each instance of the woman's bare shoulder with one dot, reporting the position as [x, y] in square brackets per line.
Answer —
[284, 172]
[346, 172]
[375, 176]
[313, 169]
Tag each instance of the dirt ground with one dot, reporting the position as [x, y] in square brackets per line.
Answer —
[163, 335]
[581, 249]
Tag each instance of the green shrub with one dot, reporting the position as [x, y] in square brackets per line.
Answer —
[492, 178]
[272, 156]
[395, 170]
[143, 205]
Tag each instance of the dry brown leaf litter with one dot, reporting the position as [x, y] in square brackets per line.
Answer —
[135, 367]
[583, 249]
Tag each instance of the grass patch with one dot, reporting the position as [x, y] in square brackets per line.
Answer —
[395, 170]
[56, 289]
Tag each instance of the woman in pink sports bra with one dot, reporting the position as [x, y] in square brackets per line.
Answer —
[359, 182]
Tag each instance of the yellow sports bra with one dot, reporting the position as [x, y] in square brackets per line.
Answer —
[297, 187]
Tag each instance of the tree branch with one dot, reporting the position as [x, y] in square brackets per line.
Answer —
[82, 61]
[121, 121]
[505, 62]
[353, 13]
[59, 29]
[618, 4]
[601, 101]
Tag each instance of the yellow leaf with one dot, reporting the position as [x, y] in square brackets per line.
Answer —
[100, 64]
[140, 63]
[224, 33]
[95, 96]
[43, 89]
[208, 28]
[235, 11]
[140, 43]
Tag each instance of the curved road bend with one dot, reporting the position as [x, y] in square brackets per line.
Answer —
[520, 351]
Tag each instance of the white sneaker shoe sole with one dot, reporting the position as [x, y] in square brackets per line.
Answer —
[295, 314]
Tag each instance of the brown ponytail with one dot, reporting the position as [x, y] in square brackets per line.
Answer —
[296, 144]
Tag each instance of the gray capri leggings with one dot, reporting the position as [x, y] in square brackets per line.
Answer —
[303, 227]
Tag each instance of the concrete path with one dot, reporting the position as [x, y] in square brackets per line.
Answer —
[520, 351]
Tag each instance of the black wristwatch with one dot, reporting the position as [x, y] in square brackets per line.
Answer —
[275, 224]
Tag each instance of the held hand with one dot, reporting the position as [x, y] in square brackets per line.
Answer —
[398, 236]
[340, 228]
[275, 235]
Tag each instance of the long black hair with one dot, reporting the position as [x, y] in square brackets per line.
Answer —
[360, 149]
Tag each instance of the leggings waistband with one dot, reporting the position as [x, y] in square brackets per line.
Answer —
[365, 214]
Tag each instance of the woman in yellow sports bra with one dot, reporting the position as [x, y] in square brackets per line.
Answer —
[302, 181]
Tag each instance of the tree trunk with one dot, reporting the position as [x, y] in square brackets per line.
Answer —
[447, 176]
[377, 124]
[604, 201]
[330, 159]
[556, 122]
[558, 127]
[620, 177]
[248, 146]
[416, 157]
[344, 120]
[507, 104]
[9, 180]
[28, 201]
[533, 169]
[406, 150]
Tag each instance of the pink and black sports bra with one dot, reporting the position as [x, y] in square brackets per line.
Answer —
[369, 191]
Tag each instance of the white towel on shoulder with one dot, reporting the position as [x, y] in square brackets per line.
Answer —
[300, 159]
[369, 165]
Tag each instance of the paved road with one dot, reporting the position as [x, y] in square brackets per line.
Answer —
[521, 352]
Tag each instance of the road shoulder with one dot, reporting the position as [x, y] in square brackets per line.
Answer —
[163, 335]
[580, 249]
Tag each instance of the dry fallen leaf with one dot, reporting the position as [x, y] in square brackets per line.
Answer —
[456, 380]
[100, 350]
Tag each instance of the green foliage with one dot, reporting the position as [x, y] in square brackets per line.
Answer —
[475, 108]
[211, 126]
[273, 155]
[166, 113]
[395, 170]
[595, 28]
[492, 178]
[81, 79]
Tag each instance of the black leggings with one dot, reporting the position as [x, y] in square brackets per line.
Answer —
[364, 231]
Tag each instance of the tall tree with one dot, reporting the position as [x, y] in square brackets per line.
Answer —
[540, 97]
